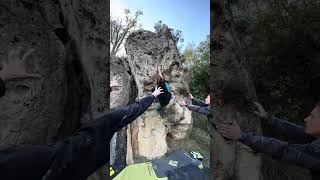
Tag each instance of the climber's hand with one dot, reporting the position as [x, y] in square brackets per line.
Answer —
[115, 82]
[182, 103]
[230, 131]
[260, 110]
[15, 68]
[190, 95]
[157, 91]
[159, 72]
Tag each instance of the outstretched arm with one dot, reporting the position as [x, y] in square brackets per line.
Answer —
[290, 130]
[305, 155]
[86, 151]
[199, 109]
[199, 103]
[130, 113]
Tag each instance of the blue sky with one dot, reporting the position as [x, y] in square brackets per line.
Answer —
[192, 17]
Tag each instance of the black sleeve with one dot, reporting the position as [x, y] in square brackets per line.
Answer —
[133, 111]
[200, 109]
[2, 88]
[85, 152]
[199, 102]
[292, 131]
[305, 155]
[88, 150]
[31, 161]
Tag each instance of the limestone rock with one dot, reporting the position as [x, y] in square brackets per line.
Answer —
[120, 97]
[32, 110]
[148, 135]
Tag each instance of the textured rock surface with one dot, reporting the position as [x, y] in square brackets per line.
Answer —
[70, 38]
[232, 93]
[121, 96]
[148, 135]
[32, 110]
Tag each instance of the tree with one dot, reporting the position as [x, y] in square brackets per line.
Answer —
[283, 58]
[232, 94]
[197, 60]
[120, 30]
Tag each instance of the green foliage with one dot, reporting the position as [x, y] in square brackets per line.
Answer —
[197, 59]
[200, 121]
[284, 58]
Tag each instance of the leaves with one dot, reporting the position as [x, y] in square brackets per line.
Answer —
[197, 59]
[284, 56]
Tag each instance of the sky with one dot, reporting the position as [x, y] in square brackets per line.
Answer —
[192, 17]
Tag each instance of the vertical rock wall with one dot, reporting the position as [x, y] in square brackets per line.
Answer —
[148, 135]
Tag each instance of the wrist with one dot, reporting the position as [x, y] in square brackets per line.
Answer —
[188, 104]
[242, 136]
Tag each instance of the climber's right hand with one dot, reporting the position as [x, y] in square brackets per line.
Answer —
[182, 103]
[115, 82]
[261, 112]
[190, 95]
[15, 67]
[157, 91]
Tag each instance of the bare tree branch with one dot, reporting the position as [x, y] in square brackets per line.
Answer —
[120, 31]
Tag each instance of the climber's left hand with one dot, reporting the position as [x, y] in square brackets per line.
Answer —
[115, 82]
[15, 67]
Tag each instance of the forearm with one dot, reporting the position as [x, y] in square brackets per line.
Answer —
[199, 109]
[199, 102]
[293, 153]
[290, 130]
[262, 144]
[81, 154]
[135, 110]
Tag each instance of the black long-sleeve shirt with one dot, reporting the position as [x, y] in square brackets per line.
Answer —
[76, 157]
[202, 108]
[199, 107]
[306, 155]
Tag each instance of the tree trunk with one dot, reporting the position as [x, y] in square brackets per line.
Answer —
[232, 95]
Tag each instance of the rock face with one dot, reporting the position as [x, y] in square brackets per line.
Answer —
[70, 39]
[121, 96]
[232, 95]
[32, 110]
[148, 135]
